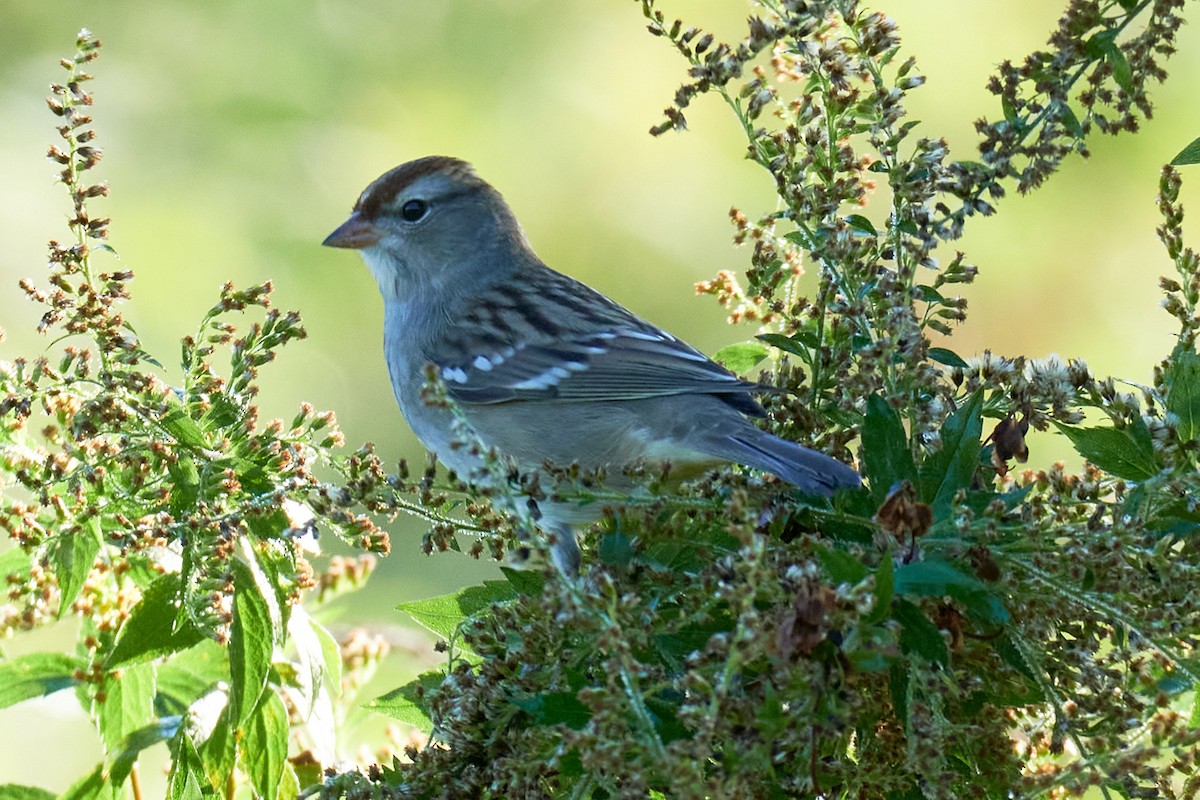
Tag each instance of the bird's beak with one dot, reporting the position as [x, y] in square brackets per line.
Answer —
[354, 234]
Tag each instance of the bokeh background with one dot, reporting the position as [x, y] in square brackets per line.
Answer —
[237, 135]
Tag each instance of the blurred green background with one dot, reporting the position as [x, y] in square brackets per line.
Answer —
[237, 135]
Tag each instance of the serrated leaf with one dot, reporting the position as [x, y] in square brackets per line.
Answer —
[183, 428]
[405, 703]
[73, 555]
[123, 758]
[12, 791]
[1188, 155]
[441, 614]
[919, 635]
[218, 753]
[1126, 452]
[953, 467]
[841, 566]
[185, 484]
[36, 675]
[189, 675]
[128, 704]
[1182, 378]
[741, 357]
[526, 582]
[251, 643]
[263, 750]
[555, 708]
[936, 578]
[151, 630]
[886, 455]
[222, 414]
[474, 599]
[187, 780]
[444, 613]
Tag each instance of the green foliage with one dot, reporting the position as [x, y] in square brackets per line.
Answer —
[950, 630]
[169, 522]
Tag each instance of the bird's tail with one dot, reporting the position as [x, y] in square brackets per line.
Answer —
[807, 470]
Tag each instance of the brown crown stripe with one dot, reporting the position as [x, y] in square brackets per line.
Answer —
[387, 186]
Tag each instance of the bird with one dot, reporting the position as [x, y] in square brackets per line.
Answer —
[541, 367]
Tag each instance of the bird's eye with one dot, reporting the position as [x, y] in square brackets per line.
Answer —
[414, 210]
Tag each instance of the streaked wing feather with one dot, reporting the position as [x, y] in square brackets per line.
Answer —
[618, 365]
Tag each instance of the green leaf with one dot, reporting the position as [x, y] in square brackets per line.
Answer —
[183, 428]
[1124, 452]
[263, 751]
[841, 566]
[443, 614]
[440, 614]
[187, 780]
[73, 555]
[267, 524]
[937, 578]
[555, 708]
[886, 455]
[526, 582]
[947, 357]
[218, 752]
[953, 467]
[185, 483]
[151, 630]
[885, 589]
[12, 791]
[36, 675]
[741, 357]
[331, 652]
[251, 643]
[189, 675]
[919, 635]
[474, 599]
[1066, 115]
[1122, 73]
[14, 562]
[128, 704]
[221, 415]
[800, 344]
[928, 294]
[1188, 155]
[861, 224]
[122, 760]
[406, 703]
[1182, 379]
[615, 549]
[93, 786]
[310, 659]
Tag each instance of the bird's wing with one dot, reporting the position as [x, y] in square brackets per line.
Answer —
[618, 364]
[554, 338]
